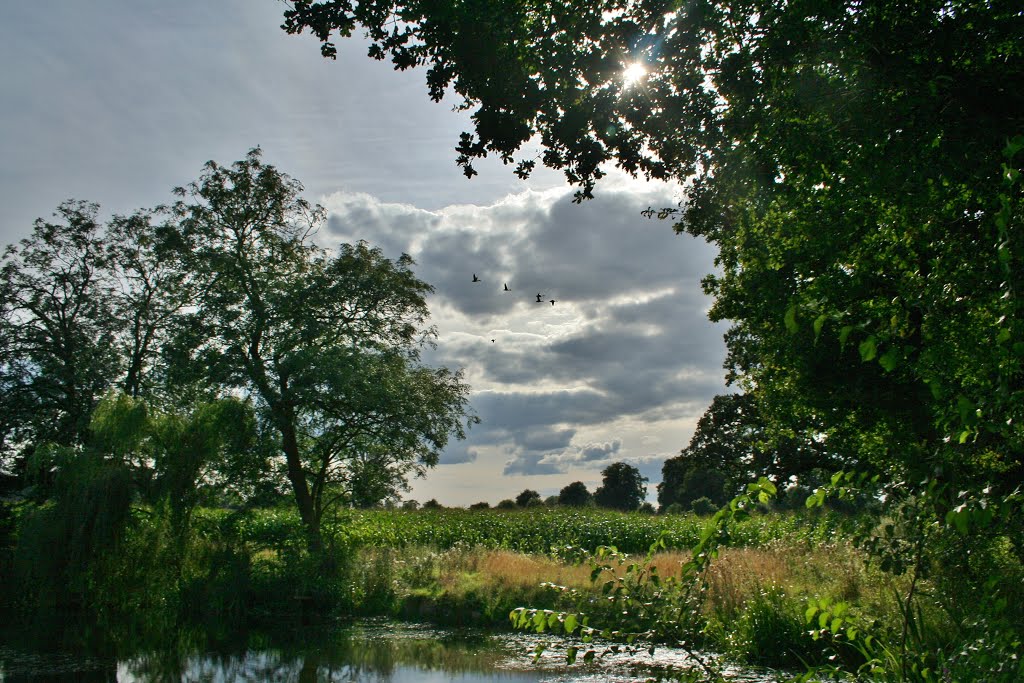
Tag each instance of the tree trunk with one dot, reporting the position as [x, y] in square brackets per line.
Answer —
[297, 477]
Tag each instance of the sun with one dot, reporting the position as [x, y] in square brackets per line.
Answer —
[633, 73]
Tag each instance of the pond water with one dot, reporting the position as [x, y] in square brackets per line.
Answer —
[372, 651]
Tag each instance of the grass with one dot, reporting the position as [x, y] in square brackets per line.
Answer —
[473, 568]
[753, 609]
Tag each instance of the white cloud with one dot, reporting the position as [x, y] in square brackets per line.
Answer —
[624, 360]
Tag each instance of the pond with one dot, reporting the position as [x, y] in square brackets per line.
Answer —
[371, 651]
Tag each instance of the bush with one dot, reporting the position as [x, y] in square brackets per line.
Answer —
[703, 506]
[528, 498]
[770, 631]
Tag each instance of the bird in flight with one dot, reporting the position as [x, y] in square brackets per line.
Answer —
[552, 302]
[506, 288]
[539, 297]
[475, 278]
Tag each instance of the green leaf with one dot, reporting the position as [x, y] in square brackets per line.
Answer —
[844, 334]
[539, 621]
[890, 359]
[819, 322]
[810, 612]
[960, 518]
[790, 320]
[570, 623]
[868, 348]
[968, 411]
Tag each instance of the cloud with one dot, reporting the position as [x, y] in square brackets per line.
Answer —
[531, 464]
[601, 451]
[626, 347]
[458, 454]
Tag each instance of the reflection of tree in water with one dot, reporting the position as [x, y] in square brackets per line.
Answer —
[22, 667]
[373, 654]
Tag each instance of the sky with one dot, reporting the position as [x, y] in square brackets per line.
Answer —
[119, 102]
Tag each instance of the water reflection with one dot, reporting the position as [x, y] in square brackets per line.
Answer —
[367, 652]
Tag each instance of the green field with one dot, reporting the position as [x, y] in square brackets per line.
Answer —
[536, 530]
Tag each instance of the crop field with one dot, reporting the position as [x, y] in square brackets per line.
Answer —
[536, 530]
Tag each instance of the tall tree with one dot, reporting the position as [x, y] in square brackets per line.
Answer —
[527, 498]
[857, 164]
[733, 446]
[58, 326]
[329, 344]
[622, 487]
[575, 495]
[149, 293]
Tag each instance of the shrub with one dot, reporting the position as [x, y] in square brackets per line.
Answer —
[770, 631]
[703, 506]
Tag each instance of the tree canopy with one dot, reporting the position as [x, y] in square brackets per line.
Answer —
[57, 325]
[328, 344]
[575, 495]
[733, 446]
[857, 164]
[622, 487]
[528, 498]
[222, 295]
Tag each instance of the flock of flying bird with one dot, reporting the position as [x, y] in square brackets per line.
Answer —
[540, 297]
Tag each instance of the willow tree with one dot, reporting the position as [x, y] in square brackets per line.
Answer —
[328, 343]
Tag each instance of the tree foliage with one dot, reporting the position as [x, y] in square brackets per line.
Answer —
[682, 483]
[622, 487]
[856, 164]
[527, 498]
[328, 344]
[58, 332]
[732, 446]
[86, 307]
[575, 495]
[223, 294]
